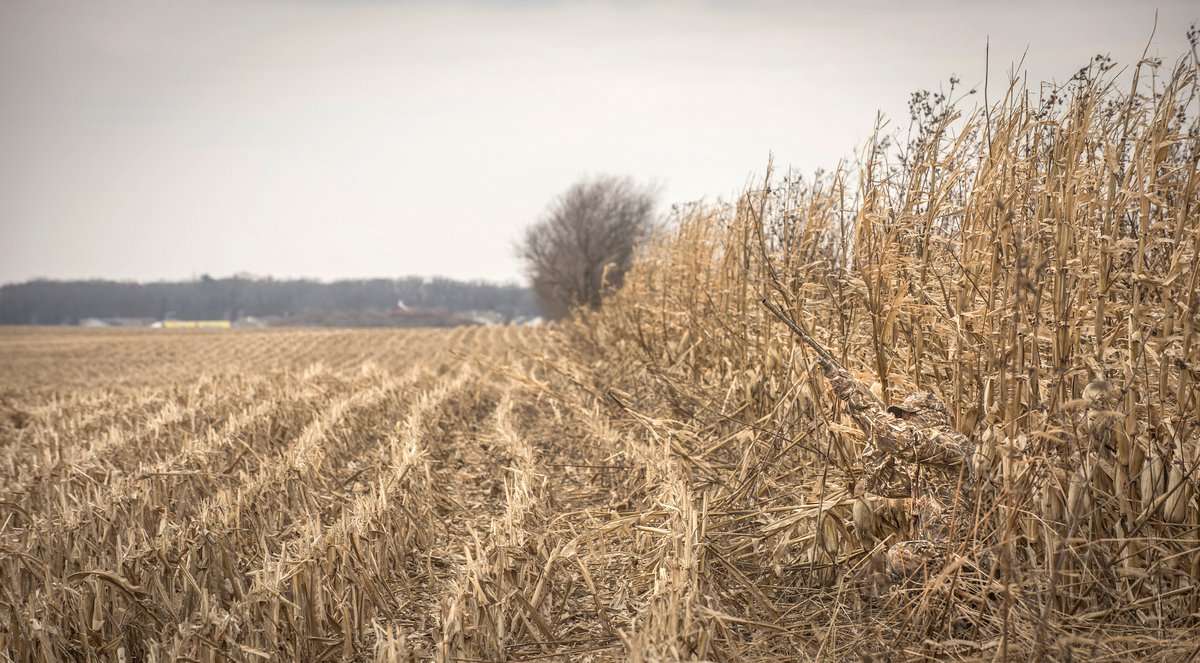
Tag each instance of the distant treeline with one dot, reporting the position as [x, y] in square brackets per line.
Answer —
[45, 302]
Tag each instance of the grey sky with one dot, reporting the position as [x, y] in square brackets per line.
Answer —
[367, 138]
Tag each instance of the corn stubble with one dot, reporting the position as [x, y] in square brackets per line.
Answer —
[672, 476]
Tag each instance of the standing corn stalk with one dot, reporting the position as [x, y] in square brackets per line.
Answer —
[917, 432]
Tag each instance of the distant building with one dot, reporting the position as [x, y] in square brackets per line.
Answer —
[196, 324]
[486, 317]
[115, 322]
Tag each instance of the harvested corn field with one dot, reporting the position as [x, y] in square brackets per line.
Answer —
[944, 408]
[256, 494]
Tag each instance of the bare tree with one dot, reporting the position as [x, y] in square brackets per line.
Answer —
[585, 242]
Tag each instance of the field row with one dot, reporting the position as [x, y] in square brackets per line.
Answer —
[473, 503]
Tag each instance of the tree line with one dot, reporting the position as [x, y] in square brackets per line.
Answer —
[578, 251]
[48, 302]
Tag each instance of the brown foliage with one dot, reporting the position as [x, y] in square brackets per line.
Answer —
[1035, 266]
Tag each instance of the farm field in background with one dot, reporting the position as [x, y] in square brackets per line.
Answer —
[316, 494]
[324, 494]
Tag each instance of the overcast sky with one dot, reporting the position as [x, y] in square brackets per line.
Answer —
[151, 140]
